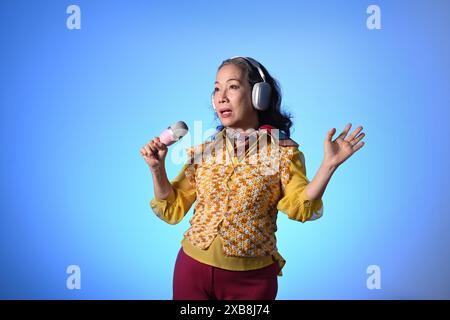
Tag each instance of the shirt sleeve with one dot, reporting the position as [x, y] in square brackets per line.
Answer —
[181, 197]
[294, 201]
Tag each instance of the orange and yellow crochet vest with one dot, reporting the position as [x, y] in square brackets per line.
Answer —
[237, 200]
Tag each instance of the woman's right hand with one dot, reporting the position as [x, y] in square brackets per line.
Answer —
[154, 153]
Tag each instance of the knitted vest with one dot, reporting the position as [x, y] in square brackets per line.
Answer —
[242, 211]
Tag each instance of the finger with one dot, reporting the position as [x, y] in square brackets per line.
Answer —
[148, 149]
[144, 151]
[154, 150]
[161, 145]
[152, 145]
[151, 142]
[330, 134]
[146, 157]
[354, 133]
[358, 138]
[345, 131]
[156, 145]
[358, 146]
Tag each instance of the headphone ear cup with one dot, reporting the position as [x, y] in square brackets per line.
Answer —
[261, 94]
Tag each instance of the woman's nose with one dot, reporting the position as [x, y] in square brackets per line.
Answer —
[223, 96]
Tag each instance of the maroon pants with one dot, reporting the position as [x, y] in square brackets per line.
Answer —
[194, 280]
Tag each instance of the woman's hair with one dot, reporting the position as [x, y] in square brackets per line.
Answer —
[273, 115]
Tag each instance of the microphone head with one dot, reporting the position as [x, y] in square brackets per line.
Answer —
[179, 129]
[173, 133]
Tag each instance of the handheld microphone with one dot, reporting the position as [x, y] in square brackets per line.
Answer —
[173, 133]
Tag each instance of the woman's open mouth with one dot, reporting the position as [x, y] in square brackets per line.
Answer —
[225, 113]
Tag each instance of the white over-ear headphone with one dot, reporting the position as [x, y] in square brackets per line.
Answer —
[261, 92]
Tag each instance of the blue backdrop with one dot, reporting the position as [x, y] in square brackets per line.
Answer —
[77, 105]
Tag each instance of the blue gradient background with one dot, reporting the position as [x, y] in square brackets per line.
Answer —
[77, 105]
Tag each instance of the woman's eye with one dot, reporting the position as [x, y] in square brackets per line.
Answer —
[216, 89]
[233, 86]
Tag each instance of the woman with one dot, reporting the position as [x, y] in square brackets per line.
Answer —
[230, 251]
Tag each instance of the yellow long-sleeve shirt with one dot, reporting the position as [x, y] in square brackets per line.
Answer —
[292, 201]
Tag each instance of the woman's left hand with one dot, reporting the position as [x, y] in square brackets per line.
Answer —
[342, 148]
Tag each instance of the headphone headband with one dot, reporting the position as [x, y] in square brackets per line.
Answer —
[254, 63]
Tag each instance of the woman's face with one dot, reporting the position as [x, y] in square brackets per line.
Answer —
[232, 98]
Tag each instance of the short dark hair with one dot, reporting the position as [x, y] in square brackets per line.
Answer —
[273, 115]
